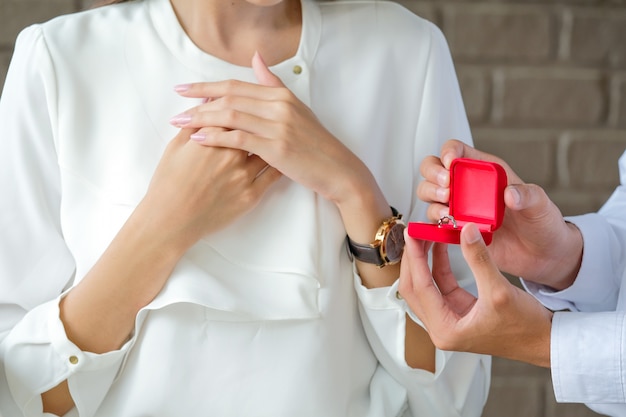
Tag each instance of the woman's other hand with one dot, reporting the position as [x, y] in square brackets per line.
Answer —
[197, 189]
[268, 120]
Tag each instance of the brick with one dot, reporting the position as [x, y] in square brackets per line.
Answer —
[476, 90]
[504, 367]
[620, 102]
[554, 409]
[17, 14]
[590, 159]
[530, 153]
[572, 202]
[597, 3]
[598, 37]
[423, 9]
[5, 59]
[515, 397]
[553, 98]
[86, 4]
[499, 32]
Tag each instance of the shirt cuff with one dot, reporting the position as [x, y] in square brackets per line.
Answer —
[594, 288]
[586, 353]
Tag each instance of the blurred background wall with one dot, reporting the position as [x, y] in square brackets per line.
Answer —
[544, 83]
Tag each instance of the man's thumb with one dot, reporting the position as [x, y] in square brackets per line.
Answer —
[477, 257]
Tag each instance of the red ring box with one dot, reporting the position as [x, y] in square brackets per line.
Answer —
[476, 196]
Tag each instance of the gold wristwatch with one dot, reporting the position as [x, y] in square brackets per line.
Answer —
[388, 244]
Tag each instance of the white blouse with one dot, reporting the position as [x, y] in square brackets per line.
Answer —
[264, 318]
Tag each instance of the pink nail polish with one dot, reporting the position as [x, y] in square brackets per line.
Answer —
[181, 88]
[198, 137]
[181, 119]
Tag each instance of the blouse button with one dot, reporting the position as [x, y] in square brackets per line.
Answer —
[73, 360]
[297, 69]
[398, 296]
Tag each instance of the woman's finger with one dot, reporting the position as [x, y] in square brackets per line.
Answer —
[263, 73]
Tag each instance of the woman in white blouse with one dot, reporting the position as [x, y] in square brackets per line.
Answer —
[207, 274]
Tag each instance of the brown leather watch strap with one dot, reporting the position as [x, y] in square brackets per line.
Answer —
[365, 253]
[368, 253]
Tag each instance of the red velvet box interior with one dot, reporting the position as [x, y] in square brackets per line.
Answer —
[476, 196]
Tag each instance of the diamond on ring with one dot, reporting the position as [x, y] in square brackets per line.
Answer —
[447, 220]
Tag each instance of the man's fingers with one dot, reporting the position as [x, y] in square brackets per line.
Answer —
[453, 149]
[433, 171]
[429, 192]
[442, 273]
[477, 256]
[527, 197]
[416, 281]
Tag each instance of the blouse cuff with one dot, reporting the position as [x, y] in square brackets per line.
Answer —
[38, 356]
[460, 391]
[386, 313]
[586, 357]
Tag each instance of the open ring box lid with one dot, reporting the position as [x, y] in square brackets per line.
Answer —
[476, 196]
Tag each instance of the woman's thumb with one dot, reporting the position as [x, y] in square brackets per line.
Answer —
[263, 74]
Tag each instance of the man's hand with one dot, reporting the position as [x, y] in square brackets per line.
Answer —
[534, 241]
[503, 321]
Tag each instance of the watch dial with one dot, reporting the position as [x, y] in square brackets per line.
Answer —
[395, 243]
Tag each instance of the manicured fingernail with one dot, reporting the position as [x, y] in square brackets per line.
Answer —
[472, 235]
[181, 88]
[181, 119]
[198, 136]
[442, 193]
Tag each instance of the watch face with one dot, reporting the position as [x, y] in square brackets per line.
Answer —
[394, 245]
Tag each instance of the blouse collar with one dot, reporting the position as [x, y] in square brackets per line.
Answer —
[182, 47]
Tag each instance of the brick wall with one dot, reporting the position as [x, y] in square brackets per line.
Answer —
[544, 82]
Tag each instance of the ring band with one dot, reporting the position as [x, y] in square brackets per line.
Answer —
[447, 220]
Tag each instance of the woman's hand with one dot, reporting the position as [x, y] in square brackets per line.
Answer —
[197, 190]
[503, 321]
[534, 241]
[268, 120]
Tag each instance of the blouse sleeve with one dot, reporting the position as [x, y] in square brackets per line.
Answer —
[460, 384]
[35, 263]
